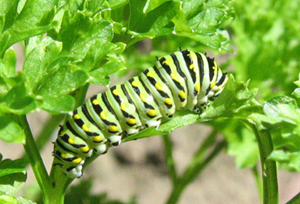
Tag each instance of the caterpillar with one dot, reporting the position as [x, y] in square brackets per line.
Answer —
[182, 80]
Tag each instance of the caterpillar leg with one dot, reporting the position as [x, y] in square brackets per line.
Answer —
[115, 140]
[70, 164]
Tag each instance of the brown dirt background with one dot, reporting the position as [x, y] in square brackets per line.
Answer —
[144, 175]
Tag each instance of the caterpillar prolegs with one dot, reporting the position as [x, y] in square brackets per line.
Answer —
[182, 80]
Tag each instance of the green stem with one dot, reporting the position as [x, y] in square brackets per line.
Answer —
[269, 169]
[45, 134]
[60, 183]
[169, 158]
[197, 164]
[35, 158]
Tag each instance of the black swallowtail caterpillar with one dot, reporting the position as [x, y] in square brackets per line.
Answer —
[182, 80]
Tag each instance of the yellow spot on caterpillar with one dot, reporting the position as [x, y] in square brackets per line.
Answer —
[152, 112]
[213, 83]
[123, 106]
[143, 97]
[77, 116]
[103, 115]
[197, 87]
[158, 86]
[165, 62]
[97, 138]
[168, 101]
[77, 161]
[63, 156]
[150, 74]
[131, 121]
[113, 128]
[71, 140]
[115, 92]
[192, 66]
[96, 102]
[85, 128]
[85, 149]
[174, 76]
[134, 83]
[215, 65]
[182, 94]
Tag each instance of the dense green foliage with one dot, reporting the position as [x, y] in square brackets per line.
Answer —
[70, 44]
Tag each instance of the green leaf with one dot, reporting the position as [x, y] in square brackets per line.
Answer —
[17, 101]
[4, 87]
[89, 30]
[296, 93]
[267, 54]
[40, 55]
[24, 200]
[61, 104]
[8, 167]
[8, 12]
[96, 57]
[12, 183]
[35, 18]
[152, 4]
[54, 91]
[289, 160]
[94, 5]
[7, 199]
[233, 99]
[100, 75]
[242, 145]
[298, 81]
[192, 8]
[154, 20]
[63, 82]
[10, 61]
[12, 176]
[12, 179]
[117, 3]
[10, 130]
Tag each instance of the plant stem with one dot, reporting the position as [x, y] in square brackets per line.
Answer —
[35, 158]
[269, 169]
[197, 164]
[60, 183]
[169, 158]
[43, 137]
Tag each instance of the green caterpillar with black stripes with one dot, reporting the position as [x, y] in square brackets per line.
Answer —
[182, 80]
